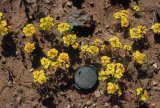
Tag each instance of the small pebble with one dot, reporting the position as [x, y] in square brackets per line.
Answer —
[155, 66]
[106, 104]
[154, 83]
[31, 69]
[97, 94]
[94, 105]
[88, 103]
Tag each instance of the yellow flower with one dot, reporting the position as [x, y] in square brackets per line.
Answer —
[55, 65]
[105, 60]
[93, 50]
[52, 53]
[112, 88]
[75, 45]
[1, 14]
[156, 28]
[115, 43]
[70, 39]
[4, 28]
[63, 27]
[136, 8]
[29, 30]
[142, 94]
[139, 57]
[29, 47]
[110, 69]
[63, 58]
[127, 48]
[119, 92]
[138, 32]
[46, 23]
[123, 16]
[97, 42]
[39, 77]
[84, 48]
[124, 22]
[45, 62]
[119, 70]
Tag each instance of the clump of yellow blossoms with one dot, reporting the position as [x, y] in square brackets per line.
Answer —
[123, 17]
[136, 8]
[142, 94]
[4, 28]
[127, 47]
[1, 14]
[156, 28]
[113, 88]
[29, 30]
[138, 32]
[84, 48]
[63, 27]
[46, 23]
[93, 50]
[114, 42]
[52, 53]
[105, 60]
[63, 59]
[29, 47]
[139, 57]
[99, 43]
[71, 39]
[115, 70]
[45, 62]
[39, 77]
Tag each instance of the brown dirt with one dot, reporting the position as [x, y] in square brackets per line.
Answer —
[22, 95]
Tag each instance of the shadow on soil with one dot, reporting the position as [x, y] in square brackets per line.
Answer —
[8, 46]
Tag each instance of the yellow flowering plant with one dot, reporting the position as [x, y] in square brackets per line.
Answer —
[52, 53]
[139, 57]
[138, 32]
[46, 23]
[142, 94]
[1, 14]
[105, 60]
[123, 17]
[71, 39]
[136, 8]
[63, 27]
[45, 62]
[29, 47]
[127, 48]
[39, 77]
[113, 88]
[156, 28]
[4, 28]
[115, 43]
[29, 30]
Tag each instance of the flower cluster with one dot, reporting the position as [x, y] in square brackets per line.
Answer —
[55, 60]
[136, 8]
[4, 28]
[105, 60]
[127, 48]
[138, 32]
[1, 14]
[39, 77]
[71, 39]
[139, 57]
[114, 42]
[45, 62]
[93, 50]
[52, 53]
[46, 23]
[100, 44]
[115, 70]
[29, 30]
[63, 27]
[113, 88]
[142, 94]
[123, 17]
[29, 47]
[156, 28]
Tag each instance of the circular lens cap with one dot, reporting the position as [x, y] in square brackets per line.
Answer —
[85, 77]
